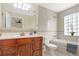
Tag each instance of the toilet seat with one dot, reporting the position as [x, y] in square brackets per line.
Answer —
[50, 49]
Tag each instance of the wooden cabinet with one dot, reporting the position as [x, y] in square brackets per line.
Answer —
[21, 47]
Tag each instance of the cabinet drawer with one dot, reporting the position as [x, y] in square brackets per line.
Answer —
[20, 41]
[7, 43]
[24, 40]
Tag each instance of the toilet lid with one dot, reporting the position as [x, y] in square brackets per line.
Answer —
[51, 45]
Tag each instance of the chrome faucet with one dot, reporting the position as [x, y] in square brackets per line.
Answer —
[22, 34]
[0, 34]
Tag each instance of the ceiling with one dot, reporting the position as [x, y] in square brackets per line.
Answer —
[58, 7]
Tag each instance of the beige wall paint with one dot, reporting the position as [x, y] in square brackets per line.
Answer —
[47, 16]
[61, 24]
[28, 21]
[0, 16]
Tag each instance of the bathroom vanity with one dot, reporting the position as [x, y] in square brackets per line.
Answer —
[27, 46]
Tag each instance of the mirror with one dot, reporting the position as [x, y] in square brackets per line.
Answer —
[15, 18]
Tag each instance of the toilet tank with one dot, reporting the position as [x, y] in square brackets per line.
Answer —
[47, 39]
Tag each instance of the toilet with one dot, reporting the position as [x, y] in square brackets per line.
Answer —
[50, 48]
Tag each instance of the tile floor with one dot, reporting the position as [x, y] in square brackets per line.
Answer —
[54, 54]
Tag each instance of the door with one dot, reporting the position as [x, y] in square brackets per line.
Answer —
[37, 46]
[8, 47]
[24, 47]
[0, 48]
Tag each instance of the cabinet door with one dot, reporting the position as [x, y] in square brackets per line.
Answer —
[0, 52]
[37, 43]
[37, 46]
[0, 48]
[28, 49]
[9, 47]
[21, 47]
[28, 46]
[21, 50]
[24, 47]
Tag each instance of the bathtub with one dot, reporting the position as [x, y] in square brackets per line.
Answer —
[62, 46]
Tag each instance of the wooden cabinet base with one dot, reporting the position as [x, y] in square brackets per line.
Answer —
[21, 47]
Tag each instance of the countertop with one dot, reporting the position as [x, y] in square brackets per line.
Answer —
[14, 37]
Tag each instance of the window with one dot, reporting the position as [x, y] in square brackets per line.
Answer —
[71, 24]
[22, 6]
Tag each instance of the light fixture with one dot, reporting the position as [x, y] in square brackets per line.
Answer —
[26, 9]
[28, 6]
[23, 6]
